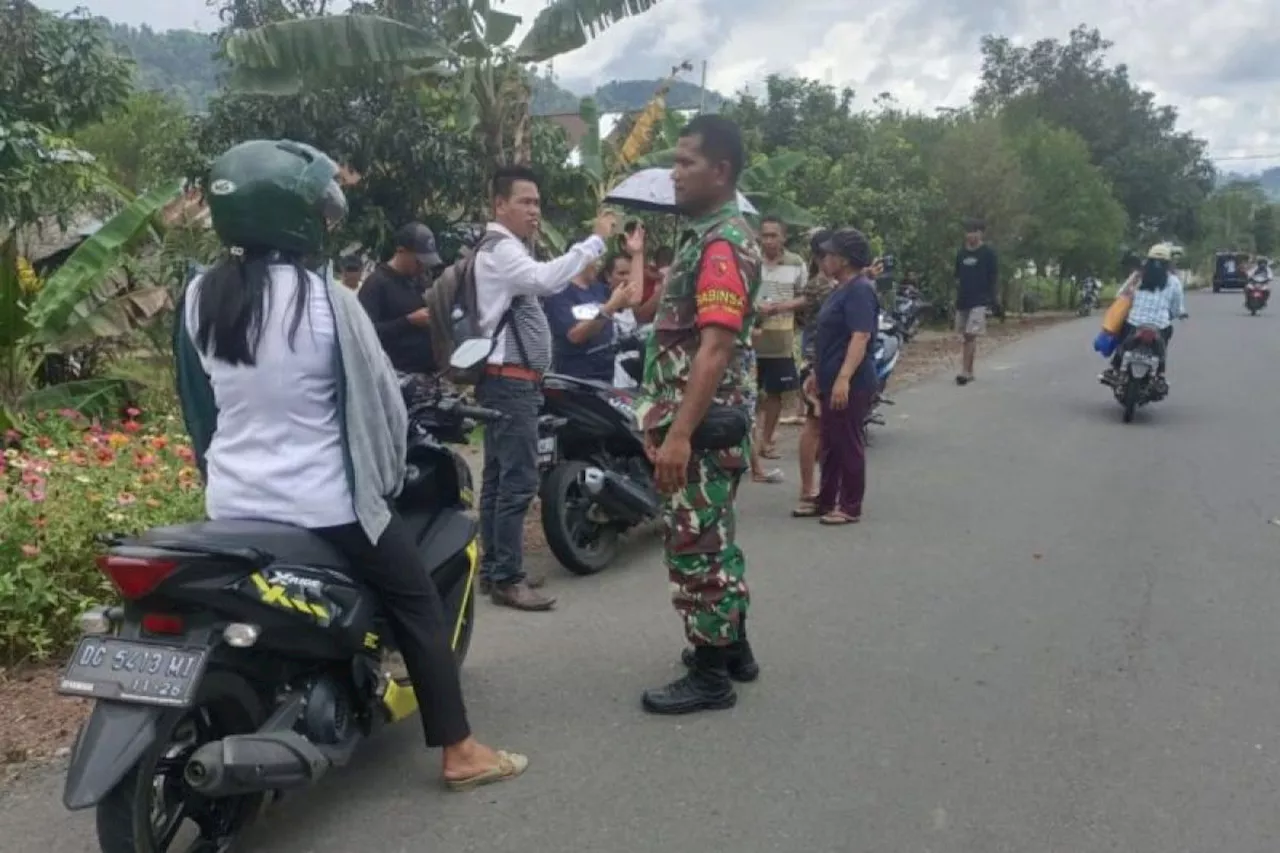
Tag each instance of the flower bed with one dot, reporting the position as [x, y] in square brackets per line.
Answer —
[63, 484]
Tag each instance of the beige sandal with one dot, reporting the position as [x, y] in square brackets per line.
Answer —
[838, 518]
[510, 765]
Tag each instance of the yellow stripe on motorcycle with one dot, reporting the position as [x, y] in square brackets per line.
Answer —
[399, 700]
[473, 559]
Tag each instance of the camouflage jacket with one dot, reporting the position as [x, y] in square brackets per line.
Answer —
[713, 281]
[815, 294]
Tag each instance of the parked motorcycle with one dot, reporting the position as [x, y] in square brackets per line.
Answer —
[909, 309]
[886, 351]
[1256, 294]
[1090, 289]
[1138, 382]
[597, 482]
[246, 657]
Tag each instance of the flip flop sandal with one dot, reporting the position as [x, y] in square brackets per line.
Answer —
[770, 452]
[837, 519]
[791, 421]
[510, 765]
[806, 509]
[771, 476]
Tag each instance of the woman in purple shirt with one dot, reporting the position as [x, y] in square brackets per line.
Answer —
[844, 375]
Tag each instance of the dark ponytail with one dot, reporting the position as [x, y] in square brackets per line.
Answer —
[233, 304]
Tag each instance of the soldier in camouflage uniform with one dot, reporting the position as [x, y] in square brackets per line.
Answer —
[694, 359]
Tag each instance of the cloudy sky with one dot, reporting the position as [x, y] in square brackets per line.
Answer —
[1214, 61]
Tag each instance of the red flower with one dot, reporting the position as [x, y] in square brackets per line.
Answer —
[106, 456]
[159, 442]
[44, 442]
[131, 426]
[144, 460]
[186, 454]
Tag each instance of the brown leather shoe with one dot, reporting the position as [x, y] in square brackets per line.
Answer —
[534, 582]
[519, 596]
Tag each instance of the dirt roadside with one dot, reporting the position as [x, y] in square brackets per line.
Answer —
[40, 725]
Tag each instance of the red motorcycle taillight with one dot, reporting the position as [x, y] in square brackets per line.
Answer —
[163, 623]
[134, 577]
[1147, 336]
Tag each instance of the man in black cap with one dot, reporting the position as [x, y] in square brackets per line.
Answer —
[392, 296]
[351, 268]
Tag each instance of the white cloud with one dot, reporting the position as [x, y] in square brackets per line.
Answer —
[1213, 61]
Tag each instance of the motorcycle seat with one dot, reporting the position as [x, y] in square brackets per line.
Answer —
[282, 542]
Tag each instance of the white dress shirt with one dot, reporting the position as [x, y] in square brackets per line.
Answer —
[507, 270]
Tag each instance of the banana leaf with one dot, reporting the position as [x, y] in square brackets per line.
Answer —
[284, 57]
[552, 238]
[791, 214]
[92, 397]
[566, 25]
[91, 262]
[96, 318]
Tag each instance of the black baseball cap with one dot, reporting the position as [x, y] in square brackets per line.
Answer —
[818, 238]
[850, 244]
[417, 238]
[350, 263]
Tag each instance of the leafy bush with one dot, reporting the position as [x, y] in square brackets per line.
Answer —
[63, 483]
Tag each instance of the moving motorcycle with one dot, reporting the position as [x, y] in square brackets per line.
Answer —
[246, 659]
[597, 482]
[1090, 289]
[1138, 381]
[1257, 291]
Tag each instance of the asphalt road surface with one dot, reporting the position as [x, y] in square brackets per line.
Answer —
[1052, 632]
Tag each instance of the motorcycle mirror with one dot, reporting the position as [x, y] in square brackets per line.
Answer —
[470, 353]
[589, 311]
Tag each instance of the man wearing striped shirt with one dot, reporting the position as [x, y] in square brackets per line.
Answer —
[509, 284]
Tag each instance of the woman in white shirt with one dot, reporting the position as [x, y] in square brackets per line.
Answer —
[296, 416]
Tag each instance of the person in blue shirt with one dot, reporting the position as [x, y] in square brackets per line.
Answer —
[844, 375]
[580, 347]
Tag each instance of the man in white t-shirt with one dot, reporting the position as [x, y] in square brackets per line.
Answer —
[782, 280]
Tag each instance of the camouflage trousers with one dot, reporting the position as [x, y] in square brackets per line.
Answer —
[704, 563]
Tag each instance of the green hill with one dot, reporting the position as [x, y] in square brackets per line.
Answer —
[182, 63]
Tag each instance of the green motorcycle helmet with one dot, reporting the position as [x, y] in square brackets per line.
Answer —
[275, 194]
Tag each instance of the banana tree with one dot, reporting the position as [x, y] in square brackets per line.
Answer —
[74, 306]
[471, 38]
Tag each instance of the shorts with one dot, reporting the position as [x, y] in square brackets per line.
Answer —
[777, 375]
[971, 322]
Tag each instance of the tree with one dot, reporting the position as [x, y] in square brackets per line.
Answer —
[1160, 175]
[407, 39]
[1073, 221]
[1266, 229]
[145, 143]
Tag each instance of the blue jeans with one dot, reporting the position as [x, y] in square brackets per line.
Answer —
[510, 475]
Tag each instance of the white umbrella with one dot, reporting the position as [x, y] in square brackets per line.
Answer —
[653, 190]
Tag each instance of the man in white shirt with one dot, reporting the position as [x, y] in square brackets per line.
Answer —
[509, 285]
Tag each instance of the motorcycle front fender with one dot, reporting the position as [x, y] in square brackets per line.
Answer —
[110, 742]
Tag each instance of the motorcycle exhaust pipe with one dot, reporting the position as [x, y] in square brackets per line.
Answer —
[252, 764]
[619, 497]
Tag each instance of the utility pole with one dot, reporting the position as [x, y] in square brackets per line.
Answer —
[702, 95]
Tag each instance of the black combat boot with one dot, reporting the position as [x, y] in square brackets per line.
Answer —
[741, 660]
[706, 688]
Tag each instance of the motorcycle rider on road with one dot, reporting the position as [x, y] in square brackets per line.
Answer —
[1261, 271]
[296, 415]
[1157, 301]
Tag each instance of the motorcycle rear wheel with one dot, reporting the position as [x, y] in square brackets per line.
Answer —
[1130, 402]
[127, 816]
[583, 546]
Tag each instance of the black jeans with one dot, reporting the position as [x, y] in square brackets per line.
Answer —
[510, 474]
[396, 572]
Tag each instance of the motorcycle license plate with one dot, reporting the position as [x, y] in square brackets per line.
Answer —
[134, 671]
[547, 450]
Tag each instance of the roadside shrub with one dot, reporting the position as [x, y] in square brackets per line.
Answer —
[63, 483]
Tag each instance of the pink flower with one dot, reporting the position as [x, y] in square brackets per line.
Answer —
[132, 412]
[35, 494]
[30, 551]
[70, 414]
[131, 426]
[144, 460]
[126, 499]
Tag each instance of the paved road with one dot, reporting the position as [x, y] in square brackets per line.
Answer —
[1053, 632]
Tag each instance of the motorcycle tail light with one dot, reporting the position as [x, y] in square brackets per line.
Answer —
[162, 623]
[134, 577]
[1147, 336]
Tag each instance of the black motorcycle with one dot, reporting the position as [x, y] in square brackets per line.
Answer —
[909, 310]
[246, 660]
[1090, 289]
[597, 482]
[1139, 381]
